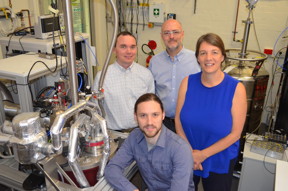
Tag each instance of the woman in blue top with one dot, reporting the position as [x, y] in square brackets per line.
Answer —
[210, 115]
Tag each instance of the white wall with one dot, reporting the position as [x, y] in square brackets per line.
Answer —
[17, 6]
[218, 16]
[270, 16]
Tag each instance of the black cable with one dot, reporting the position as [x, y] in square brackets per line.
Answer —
[15, 32]
[7, 47]
[118, 3]
[148, 53]
[43, 90]
[132, 16]
[143, 14]
[39, 61]
[65, 75]
[264, 160]
[274, 71]
[11, 35]
[21, 43]
[137, 17]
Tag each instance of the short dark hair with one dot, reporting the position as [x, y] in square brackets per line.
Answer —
[148, 97]
[212, 39]
[124, 33]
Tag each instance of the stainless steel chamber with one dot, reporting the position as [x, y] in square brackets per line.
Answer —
[248, 69]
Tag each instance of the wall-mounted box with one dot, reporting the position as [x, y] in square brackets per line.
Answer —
[156, 13]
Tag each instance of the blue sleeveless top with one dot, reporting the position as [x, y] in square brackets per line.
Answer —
[206, 118]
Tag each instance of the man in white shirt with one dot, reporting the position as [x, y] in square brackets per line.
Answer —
[125, 81]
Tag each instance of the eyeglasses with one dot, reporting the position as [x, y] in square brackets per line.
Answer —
[174, 32]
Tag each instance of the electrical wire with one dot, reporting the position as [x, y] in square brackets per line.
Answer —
[39, 61]
[269, 93]
[21, 43]
[151, 52]
[132, 16]
[81, 82]
[65, 75]
[277, 60]
[43, 90]
[7, 47]
[254, 27]
[137, 17]
[10, 35]
[89, 47]
[274, 47]
[264, 160]
[143, 15]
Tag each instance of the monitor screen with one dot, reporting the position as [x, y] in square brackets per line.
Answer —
[48, 24]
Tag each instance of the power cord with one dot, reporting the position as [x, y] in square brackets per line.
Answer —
[39, 61]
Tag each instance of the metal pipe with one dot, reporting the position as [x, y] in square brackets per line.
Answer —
[63, 173]
[69, 33]
[29, 19]
[5, 93]
[236, 21]
[48, 177]
[5, 138]
[105, 67]
[11, 109]
[104, 70]
[7, 128]
[72, 156]
[2, 114]
[106, 150]
[248, 22]
[59, 123]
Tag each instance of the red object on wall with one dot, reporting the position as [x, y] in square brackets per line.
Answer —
[152, 44]
[148, 60]
[268, 51]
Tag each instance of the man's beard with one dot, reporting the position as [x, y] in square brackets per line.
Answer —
[151, 136]
[175, 47]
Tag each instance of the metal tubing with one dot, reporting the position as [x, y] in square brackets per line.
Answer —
[248, 23]
[2, 114]
[72, 156]
[7, 128]
[63, 173]
[5, 93]
[48, 177]
[106, 150]
[70, 42]
[11, 109]
[4, 138]
[101, 81]
[60, 122]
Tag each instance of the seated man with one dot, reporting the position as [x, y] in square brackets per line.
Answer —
[163, 158]
[124, 82]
